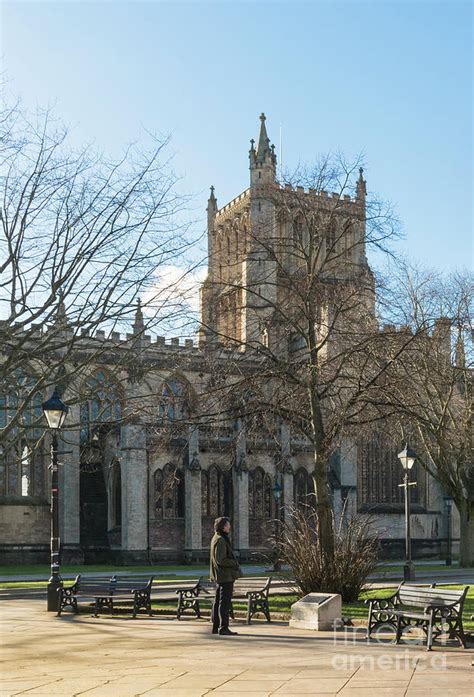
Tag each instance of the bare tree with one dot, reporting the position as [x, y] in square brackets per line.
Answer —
[82, 239]
[431, 389]
[307, 300]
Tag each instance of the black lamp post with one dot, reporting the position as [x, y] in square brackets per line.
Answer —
[55, 412]
[277, 492]
[407, 457]
[448, 503]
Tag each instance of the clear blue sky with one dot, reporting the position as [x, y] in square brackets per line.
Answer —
[390, 79]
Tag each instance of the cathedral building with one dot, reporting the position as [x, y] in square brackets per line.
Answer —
[147, 488]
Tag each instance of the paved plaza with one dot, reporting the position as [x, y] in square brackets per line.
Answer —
[120, 657]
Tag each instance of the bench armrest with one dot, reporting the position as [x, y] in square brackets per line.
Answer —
[381, 603]
[190, 591]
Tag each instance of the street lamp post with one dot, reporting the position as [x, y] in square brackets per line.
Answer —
[277, 492]
[55, 412]
[407, 458]
[448, 502]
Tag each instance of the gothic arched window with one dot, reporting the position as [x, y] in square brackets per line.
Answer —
[116, 495]
[380, 473]
[260, 494]
[204, 493]
[303, 488]
[158, 493]
[25, 473]
[216, 491]
[20, 395]
[174, 400]
[173, 492]
[102, 404]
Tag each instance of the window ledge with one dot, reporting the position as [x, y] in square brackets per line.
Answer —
[23, 501]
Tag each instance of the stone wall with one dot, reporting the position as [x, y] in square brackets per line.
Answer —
[25, 524]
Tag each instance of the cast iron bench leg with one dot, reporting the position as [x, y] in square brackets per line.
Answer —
[398, 634]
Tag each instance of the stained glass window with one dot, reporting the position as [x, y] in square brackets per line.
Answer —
[304, 488]
[260, 494]
[173, 492]
[102, 404]
[158, 489]
[174, 400]
[204, 493]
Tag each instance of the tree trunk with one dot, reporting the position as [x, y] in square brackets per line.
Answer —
[323, 507]
[466, 542]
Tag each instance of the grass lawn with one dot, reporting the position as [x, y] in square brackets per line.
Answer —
[45, 569]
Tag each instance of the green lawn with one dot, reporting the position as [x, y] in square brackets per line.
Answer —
[45, 569]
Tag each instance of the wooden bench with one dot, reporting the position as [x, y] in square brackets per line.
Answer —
[107, 591]
[254, 590]
[436, 610]
[187, 592]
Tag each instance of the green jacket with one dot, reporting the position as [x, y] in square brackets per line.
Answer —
[224, 566]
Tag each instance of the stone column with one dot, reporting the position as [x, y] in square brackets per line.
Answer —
[192, 498]
[287, 472]
[348, 479]
[69, 489]
[134, 472]
[288, 491]
[240, 483]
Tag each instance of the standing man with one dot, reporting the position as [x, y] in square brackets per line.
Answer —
[224, 571]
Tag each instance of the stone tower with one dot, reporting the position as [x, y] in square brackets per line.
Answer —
[242, 288]
[241, 277]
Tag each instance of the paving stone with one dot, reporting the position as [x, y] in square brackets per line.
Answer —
[309, 686]
[240, 686]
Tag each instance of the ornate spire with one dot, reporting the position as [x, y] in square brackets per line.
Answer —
[212, 201]
[361, 187]
[263, 148]
[139, 324]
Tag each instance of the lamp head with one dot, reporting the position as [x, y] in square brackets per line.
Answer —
[277, 490]
[407, 457]
[55, 411]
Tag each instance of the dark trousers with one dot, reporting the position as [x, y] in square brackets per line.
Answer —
[221, 606]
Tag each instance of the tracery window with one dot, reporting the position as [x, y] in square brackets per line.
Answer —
[216, 491]
[204, 493]
[174, 400]
[303, 488]
[21, 465]
[169, 492]
[25, 466]
[158, 493]
[116, 495]
[20, 394]
[380, 473]
[102, 404]
[260, 494]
